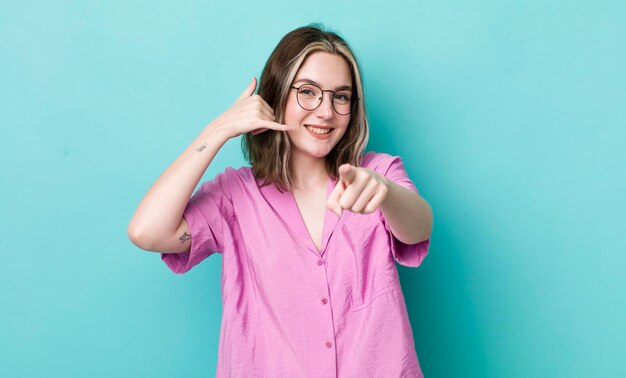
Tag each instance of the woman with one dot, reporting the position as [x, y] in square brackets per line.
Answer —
[309, 234]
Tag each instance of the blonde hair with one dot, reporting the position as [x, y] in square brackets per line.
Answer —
[269, 152]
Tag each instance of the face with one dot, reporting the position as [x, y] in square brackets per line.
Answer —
[327, 71]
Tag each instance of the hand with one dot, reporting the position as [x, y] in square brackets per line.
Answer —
[359, 190]
[249, 113]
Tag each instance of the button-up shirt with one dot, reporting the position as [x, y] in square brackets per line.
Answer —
[289, 309]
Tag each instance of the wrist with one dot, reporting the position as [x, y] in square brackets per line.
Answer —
[216, 131]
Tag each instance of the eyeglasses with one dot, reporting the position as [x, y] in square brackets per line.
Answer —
[310, 97]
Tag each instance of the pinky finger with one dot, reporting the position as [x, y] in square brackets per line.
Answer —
[276, 126]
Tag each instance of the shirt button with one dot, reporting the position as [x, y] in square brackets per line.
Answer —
[329, 344]
[320, 262]
[324, 300]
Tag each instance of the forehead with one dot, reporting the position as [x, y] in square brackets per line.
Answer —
[328, 70]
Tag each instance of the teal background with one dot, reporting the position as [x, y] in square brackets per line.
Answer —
[509, 117]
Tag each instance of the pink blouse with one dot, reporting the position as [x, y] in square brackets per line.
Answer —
[290, 310]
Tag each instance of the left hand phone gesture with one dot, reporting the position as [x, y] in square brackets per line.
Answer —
[359, 190]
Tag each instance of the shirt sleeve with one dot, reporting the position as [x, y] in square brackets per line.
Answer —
[209, 214]
[410, 255]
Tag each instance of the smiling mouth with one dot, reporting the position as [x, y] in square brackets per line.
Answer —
[318, 130]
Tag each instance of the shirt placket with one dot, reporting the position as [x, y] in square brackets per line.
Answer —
[328, 346]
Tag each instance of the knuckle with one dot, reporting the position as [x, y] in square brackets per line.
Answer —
[344, 203]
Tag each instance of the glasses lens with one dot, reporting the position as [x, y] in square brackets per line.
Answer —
[342, 101]
[309, 96]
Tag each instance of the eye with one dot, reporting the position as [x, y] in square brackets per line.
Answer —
[309, 92]
[342, 97]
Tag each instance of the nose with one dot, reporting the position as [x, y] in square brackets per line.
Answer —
[325, 110]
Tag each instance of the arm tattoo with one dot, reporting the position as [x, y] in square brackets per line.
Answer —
[184, 237]
[201, 148]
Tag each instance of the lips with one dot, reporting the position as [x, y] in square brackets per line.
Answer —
[321, 127]
[319, 136]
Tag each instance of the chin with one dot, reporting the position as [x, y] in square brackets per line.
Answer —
[315, 152]
[312, 150]
[318, 153]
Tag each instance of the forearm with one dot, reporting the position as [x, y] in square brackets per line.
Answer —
[160, 211]
[407, 213]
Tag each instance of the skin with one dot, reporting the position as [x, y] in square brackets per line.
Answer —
[329, 71]
[359, 190]
[158, 224]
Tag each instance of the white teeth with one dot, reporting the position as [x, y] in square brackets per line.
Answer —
[318, 131]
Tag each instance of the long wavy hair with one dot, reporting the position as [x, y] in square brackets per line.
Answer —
[269, 152]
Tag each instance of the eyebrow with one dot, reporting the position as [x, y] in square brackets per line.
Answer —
[309, 81]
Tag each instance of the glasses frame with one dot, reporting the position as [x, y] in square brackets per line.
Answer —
[353, 99]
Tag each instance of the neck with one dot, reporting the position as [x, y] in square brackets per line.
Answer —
[309, 173]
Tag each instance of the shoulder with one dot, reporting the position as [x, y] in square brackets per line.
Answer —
[390, 166]
[228, 178]
[380, 162]
[242, 176]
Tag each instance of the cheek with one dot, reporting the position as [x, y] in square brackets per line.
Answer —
[344, 127]
[345, 123]
[342, 133]
[293, 113]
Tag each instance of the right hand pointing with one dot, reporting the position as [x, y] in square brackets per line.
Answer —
[250, 113]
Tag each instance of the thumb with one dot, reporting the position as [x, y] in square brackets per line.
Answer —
[333, 199]
[347, 173]
[249, 90]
